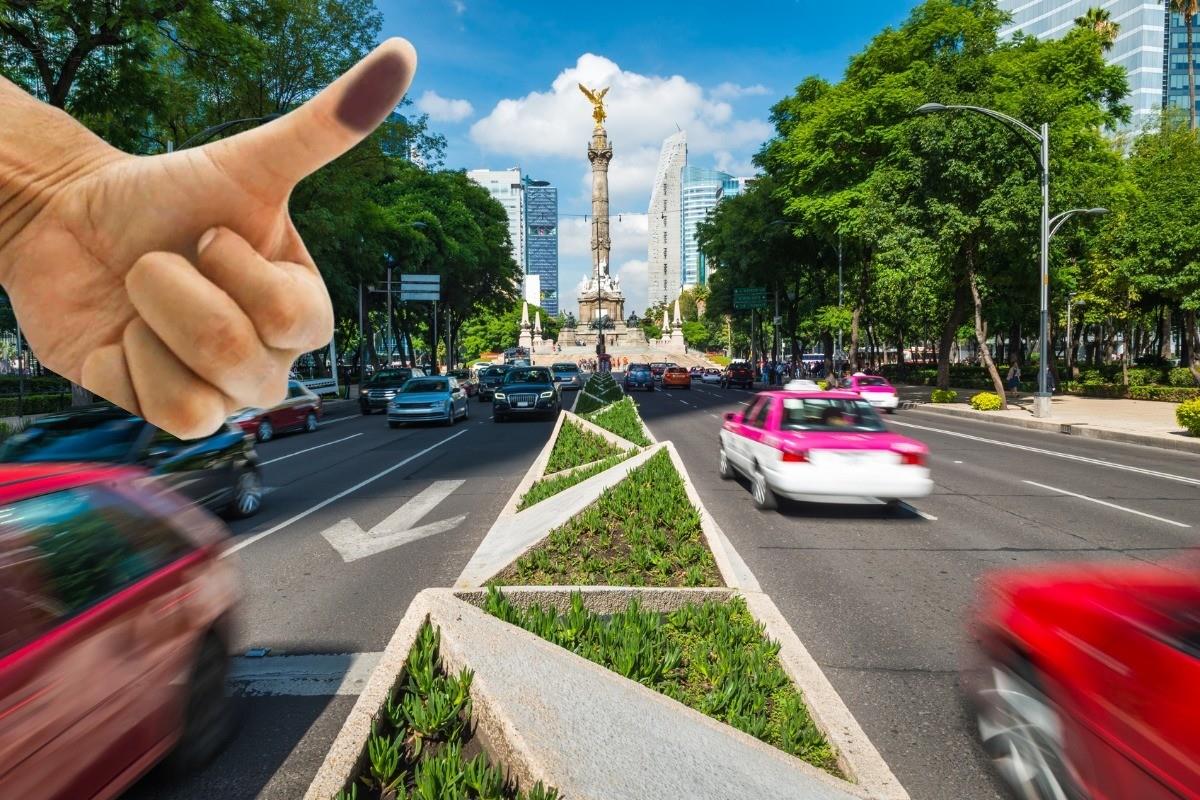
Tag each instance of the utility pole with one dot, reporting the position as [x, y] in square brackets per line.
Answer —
[839, 341]
[388, 343]
[362, 341]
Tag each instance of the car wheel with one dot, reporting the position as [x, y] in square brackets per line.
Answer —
[266, 431]
[247, 494]
[209, 714]
[764, 498]
[1023, 734]
[466, 411]
[450, 418]
[392, 424]
[724, 468]
[890, 410]
[310, 423]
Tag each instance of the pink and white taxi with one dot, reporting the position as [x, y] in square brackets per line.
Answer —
[821, 447]
[875, 390]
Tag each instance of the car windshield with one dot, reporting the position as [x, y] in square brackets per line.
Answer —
[460, 374]
[424, 385]
[393, 376]
[494, 372]
[531, 375]
[75, 439]
[871, 380]
[829, 414]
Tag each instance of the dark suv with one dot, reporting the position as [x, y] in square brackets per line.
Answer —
[737, 375]
[489, 379]
[379, 391]
[526, 391]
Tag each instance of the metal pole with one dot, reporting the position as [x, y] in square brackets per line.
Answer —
[362, 341]
[775, 324]
[433, 355]
[1067, 343]
[20, 376]
[1041, 407]
[388, 343]
[839, 342]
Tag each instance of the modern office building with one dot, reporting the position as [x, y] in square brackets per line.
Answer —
[507, 187]
[701, 189]
[1155, 62]
[541, 241]
[1175, 66]
[665, 252]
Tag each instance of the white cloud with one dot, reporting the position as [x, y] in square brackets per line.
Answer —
[732, 91]
[444, 109]
[727, 162]
[629, 234]
[642, 111]
[633, 283]
[460, 7]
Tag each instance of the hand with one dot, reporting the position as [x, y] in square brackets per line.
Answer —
[176, 285]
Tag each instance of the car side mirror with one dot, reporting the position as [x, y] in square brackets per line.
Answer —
[733, 416]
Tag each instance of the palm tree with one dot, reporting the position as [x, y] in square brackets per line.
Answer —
[1188, 9]
[1100, 21]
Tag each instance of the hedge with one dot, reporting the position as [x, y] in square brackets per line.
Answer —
[44, 384]
[1181, 376]
[1109, 390]
[1171, 394]
[35, 404]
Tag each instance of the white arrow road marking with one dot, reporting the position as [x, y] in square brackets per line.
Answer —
[353, 543]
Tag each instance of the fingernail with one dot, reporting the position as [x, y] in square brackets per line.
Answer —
[206, 239]
[373, 93]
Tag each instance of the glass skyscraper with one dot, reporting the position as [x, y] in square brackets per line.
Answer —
[541, 240]
[700, 189]
[506, 186]
[665, 251]
[1175, 67]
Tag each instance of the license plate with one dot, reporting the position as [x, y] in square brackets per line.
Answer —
[522, 405]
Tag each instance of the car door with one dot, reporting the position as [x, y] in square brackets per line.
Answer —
[457, 401]
[195, 468]
[756, 436]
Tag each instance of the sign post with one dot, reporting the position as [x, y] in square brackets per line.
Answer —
[424, 289]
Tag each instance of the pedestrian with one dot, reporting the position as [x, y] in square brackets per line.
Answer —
[1012, 381]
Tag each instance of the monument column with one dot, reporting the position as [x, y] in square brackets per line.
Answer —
[600, 154]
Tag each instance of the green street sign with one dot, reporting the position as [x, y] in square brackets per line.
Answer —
[750, 297]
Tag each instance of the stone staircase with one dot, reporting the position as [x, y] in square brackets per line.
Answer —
[576, 354]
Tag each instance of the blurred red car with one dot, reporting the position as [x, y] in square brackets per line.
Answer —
[117, 621]
[677, 377]
[1087, 681]
[300, 411]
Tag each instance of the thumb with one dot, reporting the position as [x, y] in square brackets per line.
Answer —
[282, 152]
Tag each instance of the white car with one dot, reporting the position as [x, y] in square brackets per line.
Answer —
[711, 375]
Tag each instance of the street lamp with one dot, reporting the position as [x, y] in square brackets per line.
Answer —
[208, 133]
[1041, 404]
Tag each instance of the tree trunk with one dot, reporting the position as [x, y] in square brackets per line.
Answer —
[1128, 353]
[852, 356]
[899, 351]
[1164, 345]
[827, 345]
[1189, 335]
[1185, 337]
[981, 337]
[958, 313]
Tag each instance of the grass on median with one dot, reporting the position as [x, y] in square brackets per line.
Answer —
[548, 487]
[575, 447]
[415, 750]
[642, 532]
[599, 391]
[711, 656]
[621, 418]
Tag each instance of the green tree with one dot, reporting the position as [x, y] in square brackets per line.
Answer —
[1099, 21]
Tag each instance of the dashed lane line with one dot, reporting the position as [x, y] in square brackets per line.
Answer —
[309, 449]
[1107, 504]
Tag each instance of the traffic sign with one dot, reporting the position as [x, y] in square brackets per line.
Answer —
[750, 297]
[421, 288]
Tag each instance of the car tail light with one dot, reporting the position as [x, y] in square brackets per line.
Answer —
[795, 456]
[915, 459]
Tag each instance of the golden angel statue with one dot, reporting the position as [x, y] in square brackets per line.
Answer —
[597, 99]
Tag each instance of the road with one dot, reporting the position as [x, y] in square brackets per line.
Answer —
[301, 597]
[879, 596]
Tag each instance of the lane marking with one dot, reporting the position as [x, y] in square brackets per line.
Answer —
[313, 509]
[1069, 456]
[321, 675]
[957, 462]
[685, 402]
[1108, 504]
[335, 420]
[308, 449]
[714, 416]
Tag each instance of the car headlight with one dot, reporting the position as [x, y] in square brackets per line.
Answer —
[547, 395]
[499, 395]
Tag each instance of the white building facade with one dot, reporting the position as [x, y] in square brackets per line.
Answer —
[664, 254]
[508, 189]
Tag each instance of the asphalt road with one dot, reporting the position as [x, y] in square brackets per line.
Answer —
[879, 596]
[301, 597]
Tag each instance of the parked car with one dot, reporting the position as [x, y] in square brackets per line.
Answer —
[526, 391]
[567, 375]
[383, 387]
[820, 447]
[711, 375]
[118, 619]
[300, 411]
[638, 376]
[466, 381]
[490, 379]
[738, 374]
[219, 472]
[875, 390]
[657, 368]
[676, 377]
[1087, 677]
[435, 399]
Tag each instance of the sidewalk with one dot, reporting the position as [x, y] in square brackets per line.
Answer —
[1145, 422]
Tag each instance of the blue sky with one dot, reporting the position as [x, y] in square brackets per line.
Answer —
[498, 80]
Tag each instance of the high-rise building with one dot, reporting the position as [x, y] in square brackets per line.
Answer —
[506, 186]
[1175, 66]
[1142, 46]
[541, 240]
[665, 251]
[701, 190]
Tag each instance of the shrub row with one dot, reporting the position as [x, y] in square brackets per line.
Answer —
[41, 384]
[575, 447]
[943, 396]
[34, 404]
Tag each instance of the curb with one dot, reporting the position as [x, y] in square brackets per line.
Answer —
[1080, 429]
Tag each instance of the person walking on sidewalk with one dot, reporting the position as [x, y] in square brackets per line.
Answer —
[1012, 381]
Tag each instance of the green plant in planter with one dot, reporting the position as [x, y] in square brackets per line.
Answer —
[385, 754]
[943, 396]
[576, 446]
[986, 401]
[1187, 414]
[621, 418]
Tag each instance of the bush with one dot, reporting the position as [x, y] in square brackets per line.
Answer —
[34, 404]
[1181, 376]
[1109, 390]
[1170, 394]
[943, 396]
[986, 401]
[1091, 377]
[1188, 416]
[599, 391]
[41, 384]
[1144, 376]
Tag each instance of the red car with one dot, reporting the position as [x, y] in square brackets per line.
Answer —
[1087, 682]
[300, 411]
[738, 374]
[117, 619]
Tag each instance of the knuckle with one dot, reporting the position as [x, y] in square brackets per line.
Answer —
[224, 344]
[192, 414]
